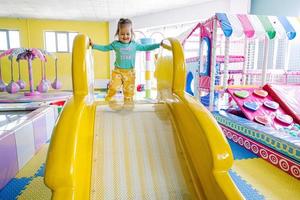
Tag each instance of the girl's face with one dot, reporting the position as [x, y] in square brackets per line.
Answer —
[125, 34]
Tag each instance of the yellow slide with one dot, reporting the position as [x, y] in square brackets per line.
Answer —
[171, 149]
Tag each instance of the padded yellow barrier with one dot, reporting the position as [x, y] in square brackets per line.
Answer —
[206, 148]
[69, 159]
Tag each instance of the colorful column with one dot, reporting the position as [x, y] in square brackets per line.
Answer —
[265, 62]
[213, 66]
[226, 63]
[148, 68]
[245, 64]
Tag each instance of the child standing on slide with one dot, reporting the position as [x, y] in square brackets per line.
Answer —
[125, 49]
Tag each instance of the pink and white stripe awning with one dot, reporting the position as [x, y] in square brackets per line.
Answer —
[258, 25]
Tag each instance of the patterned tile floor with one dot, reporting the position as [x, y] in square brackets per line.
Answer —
[29, 182]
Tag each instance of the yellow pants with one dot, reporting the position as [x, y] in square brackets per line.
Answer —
[125, 77]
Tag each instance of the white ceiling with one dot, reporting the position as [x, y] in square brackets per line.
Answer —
[94, 10]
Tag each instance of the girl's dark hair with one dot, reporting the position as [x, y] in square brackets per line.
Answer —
[123, 22]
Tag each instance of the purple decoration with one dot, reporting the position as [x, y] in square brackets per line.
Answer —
[43, 86]
[48, 82]
[8, 157]
[44, 74]
[32, 92]
[39, 54]
[12, 87]
[7, 52]
[29, 55]
[21, 84]
[2, 86]
[56, 84]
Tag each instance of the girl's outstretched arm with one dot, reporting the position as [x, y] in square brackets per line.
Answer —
[147, 47]
[101, 47]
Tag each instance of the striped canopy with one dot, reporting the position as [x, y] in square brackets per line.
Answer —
[258, 25]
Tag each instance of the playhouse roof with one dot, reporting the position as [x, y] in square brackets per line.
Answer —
[250, 25]
[238, 25]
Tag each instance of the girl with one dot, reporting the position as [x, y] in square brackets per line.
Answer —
[125, 48]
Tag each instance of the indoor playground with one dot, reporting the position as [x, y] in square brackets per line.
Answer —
[28, 110]
[215, 112]
[238, 76]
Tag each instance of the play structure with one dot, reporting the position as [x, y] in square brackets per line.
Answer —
[171, 149]
[29, 55]
[24, 128]
[244, 68]
[26, 121]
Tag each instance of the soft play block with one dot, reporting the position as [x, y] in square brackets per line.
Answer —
[240, 97]
[288, 96]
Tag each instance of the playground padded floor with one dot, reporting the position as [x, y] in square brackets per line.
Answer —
[256, 178]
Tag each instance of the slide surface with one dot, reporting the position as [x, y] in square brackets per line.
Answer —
[172, 149]
[137, 155]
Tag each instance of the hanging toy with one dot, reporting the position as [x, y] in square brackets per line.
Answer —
[43, 86]
[20, 82]
[12, 87]
[56, 83]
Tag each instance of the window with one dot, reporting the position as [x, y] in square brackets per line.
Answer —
[59, 41]
[9, 39]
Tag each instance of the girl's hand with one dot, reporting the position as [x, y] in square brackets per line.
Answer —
[165, 45]
[162, 43]
[91, 43]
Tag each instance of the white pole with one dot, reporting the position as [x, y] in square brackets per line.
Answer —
[287, 56]
[252, 77]
[197, 72]
[226, 61]
[265, 63]
[286, 61]
[245, 61]
[213, 66]
[256, 54]
[148, 68]
[275, 54]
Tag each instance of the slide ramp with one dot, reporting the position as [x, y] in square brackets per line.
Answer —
[137, 155]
